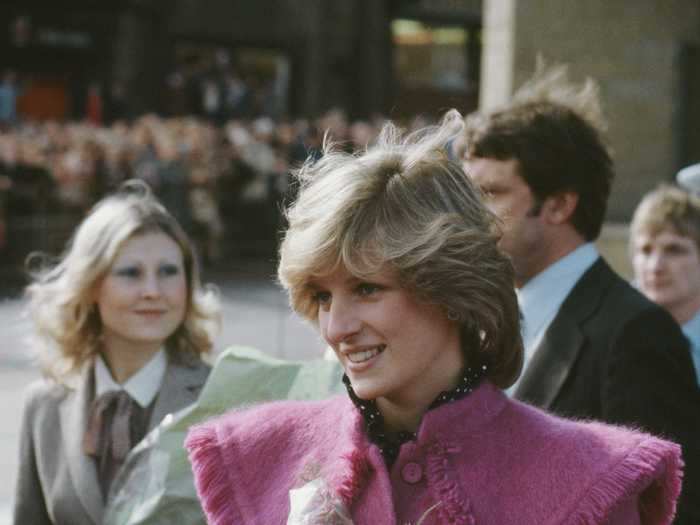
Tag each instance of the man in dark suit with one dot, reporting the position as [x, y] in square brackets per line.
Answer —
[595, 347]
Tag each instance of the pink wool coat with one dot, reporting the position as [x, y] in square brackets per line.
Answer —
[482, 460]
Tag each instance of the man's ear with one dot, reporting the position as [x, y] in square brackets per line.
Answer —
[558, 208]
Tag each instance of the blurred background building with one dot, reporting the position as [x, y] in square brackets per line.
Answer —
[301, 57]
[277, 63]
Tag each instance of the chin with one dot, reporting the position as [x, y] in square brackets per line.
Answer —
[154, 334]
[366, 391]
[661, 299]
[150, 339]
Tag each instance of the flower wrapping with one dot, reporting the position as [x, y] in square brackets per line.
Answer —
[315, 504]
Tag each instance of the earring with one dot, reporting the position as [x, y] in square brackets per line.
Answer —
[452, 315]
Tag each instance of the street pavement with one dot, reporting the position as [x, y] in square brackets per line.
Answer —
[255, 313]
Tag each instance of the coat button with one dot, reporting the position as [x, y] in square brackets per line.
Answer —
[411, 473]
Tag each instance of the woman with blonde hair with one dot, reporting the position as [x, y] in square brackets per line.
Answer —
[122, 323]
[394, 257]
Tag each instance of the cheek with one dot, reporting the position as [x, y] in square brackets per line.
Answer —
[110, 296]
[693, 276]
[322, 324]
[510, 211]
[638, 263]
[685, 268]
[176, 290]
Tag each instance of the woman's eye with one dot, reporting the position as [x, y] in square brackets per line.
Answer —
[168, 270]
[366, 289]
[322, 298]
[132, 272]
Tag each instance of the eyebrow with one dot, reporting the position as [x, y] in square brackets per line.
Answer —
[131, 262]
[352, 279]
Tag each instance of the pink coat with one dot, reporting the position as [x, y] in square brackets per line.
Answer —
[483, 460]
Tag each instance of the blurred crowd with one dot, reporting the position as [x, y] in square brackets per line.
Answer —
[223, 182]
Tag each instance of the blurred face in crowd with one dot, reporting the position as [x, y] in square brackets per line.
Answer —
[509, 197]
[143, 298]
[394, 348]
[9, 151]
[667, 270]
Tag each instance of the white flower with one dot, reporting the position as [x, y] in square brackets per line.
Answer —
[315, 504]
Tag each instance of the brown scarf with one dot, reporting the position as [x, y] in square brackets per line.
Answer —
[115, 424]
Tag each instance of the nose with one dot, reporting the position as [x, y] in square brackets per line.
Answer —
[339, 323]
[150, 286]
[656, 261]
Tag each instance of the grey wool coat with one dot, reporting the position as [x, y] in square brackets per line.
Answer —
[57, 483]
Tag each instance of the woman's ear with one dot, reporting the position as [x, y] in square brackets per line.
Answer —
[559, 208]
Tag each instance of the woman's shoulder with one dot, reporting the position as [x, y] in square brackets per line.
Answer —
[267, 419]
[283, 428]
[42, 398]
[601, 464]
[263, 449]
[190, 364]
[607, 439]
[46, 390]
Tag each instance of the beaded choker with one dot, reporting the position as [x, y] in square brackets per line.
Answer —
[374, 421]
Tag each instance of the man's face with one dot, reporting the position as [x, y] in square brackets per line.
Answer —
[509, 197]
[667, 269]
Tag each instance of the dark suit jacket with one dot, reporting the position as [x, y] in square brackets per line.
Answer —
[57, 482]
[612, 355]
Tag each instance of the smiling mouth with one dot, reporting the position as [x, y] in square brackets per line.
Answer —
[366, 355]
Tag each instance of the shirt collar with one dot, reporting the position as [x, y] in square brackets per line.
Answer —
[542, 295]
[143, 386]
[691, 329]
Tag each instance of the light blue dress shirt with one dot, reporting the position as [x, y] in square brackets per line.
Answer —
[691, 329]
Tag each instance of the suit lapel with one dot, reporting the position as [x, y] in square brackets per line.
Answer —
[73, 417]
[181, 386]
[556, 354]
[551, 362]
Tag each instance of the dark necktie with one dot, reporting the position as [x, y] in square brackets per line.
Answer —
[110, 433]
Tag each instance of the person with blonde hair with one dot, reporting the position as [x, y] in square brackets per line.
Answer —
[121, 324]
[665, 252]
[393, 256]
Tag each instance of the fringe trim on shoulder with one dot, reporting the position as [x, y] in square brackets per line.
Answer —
[210, 476]
[653, 471]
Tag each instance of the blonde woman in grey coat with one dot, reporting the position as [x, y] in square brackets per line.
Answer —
[122, 324]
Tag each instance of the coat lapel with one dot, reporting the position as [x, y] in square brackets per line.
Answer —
[181, 386]
[73, 417]
[551, 363]
[556, 354]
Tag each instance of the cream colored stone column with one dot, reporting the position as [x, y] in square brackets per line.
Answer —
[498, 55]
